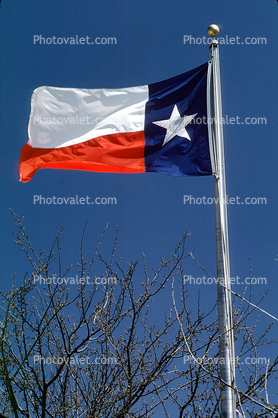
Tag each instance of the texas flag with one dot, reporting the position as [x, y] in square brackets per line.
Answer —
[159, 127]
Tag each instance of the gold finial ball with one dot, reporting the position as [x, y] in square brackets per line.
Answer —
[213, 30]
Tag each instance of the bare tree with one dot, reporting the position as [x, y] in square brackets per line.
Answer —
[81, 347]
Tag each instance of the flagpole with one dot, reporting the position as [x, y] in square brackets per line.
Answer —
[225, 323]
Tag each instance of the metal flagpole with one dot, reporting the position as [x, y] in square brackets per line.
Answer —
[226, 340]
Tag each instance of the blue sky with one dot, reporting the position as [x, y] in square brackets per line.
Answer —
[150, 209]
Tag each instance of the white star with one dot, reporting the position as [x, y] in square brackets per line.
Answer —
[175, 126]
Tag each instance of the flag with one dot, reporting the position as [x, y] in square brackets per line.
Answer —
[159, 127]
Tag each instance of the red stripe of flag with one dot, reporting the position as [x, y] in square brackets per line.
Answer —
[114, 153]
